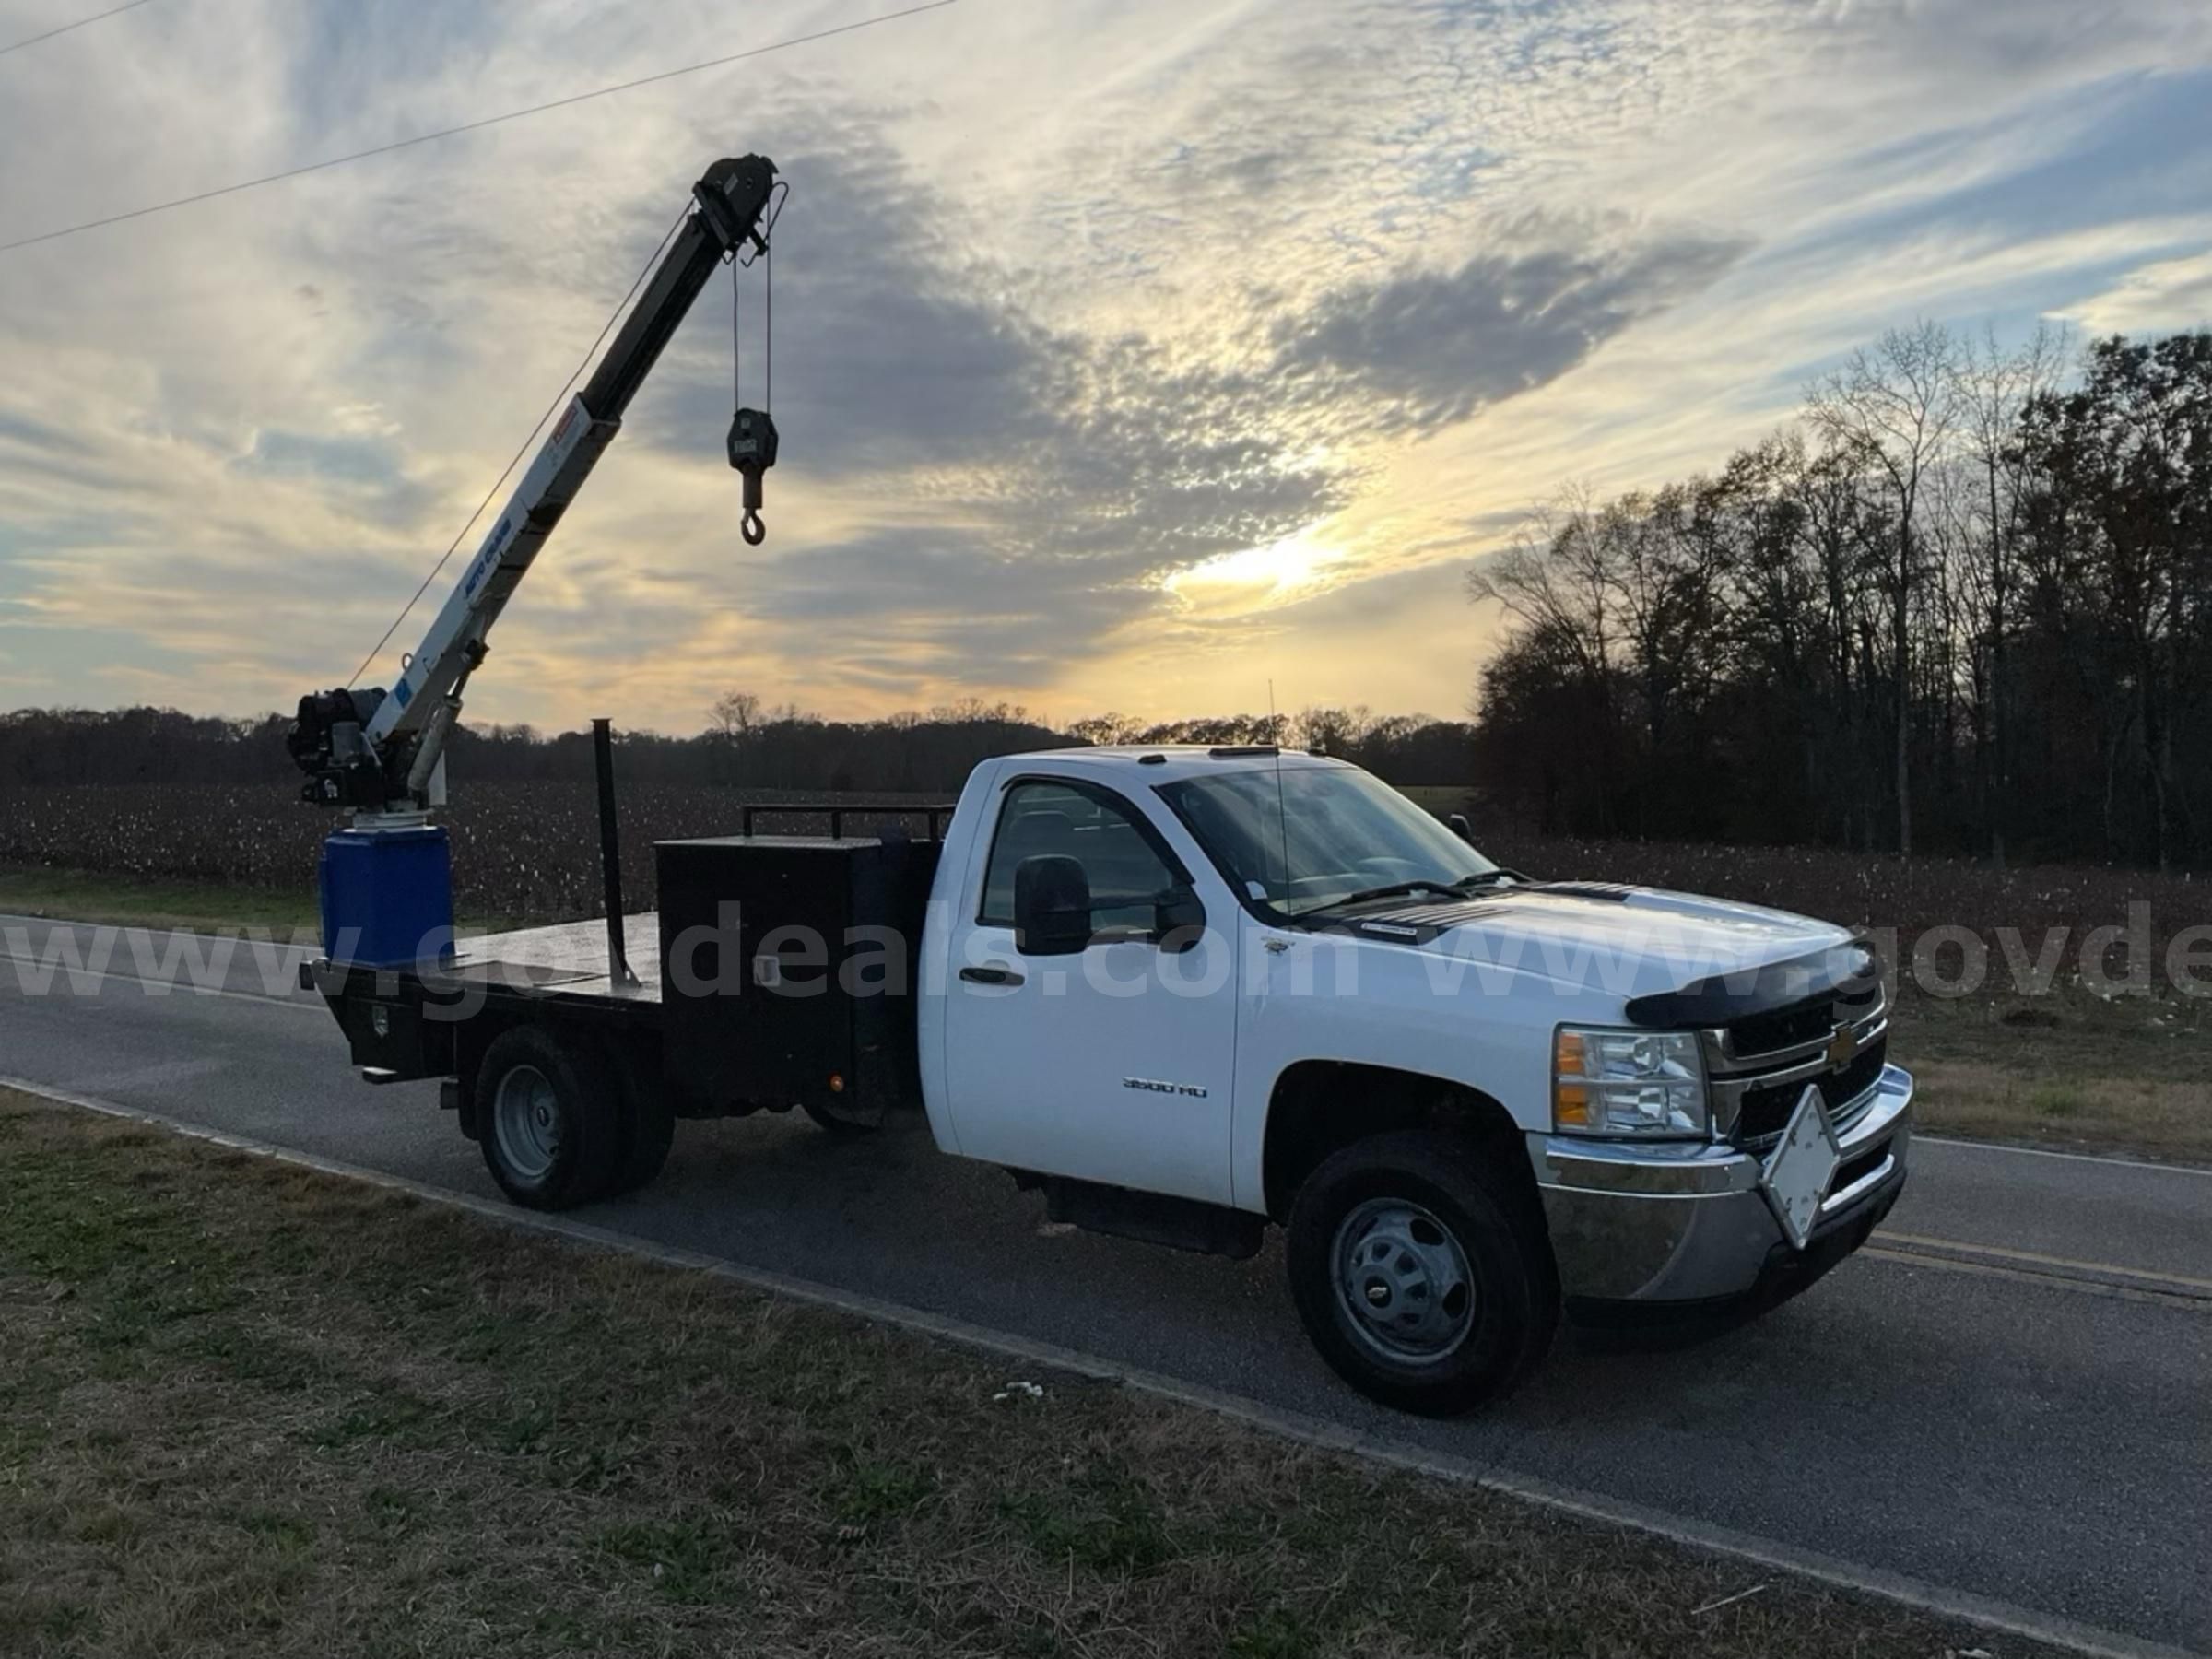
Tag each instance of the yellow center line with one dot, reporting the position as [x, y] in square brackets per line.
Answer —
[2190, 1301]
[2177, 1280]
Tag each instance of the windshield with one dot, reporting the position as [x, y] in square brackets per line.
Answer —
[1314, 836]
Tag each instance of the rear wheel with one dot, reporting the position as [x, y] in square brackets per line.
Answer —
[1422, 1272]
[548, 1119]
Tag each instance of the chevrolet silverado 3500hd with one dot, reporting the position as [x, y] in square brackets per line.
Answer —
[1187, 994]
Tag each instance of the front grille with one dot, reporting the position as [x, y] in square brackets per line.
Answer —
[1763, 1033]
[1765, 1112]
[1807, 1022]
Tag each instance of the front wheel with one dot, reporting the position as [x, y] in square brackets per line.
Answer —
[1422, 1272]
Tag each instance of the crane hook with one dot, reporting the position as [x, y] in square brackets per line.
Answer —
[752, 452]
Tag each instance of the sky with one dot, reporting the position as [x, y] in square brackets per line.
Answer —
[1130, 355]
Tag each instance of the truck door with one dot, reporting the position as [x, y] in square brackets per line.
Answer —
[1111, 1062]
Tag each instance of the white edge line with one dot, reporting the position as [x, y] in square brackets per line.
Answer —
[2090, 1158]
[156, 990]
[1917, 1593]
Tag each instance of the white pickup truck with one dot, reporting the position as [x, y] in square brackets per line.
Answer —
[1188, 994]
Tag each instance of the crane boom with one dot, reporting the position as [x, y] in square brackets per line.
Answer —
[381, 753]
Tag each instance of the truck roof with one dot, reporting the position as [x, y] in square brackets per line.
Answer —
[1163, 763]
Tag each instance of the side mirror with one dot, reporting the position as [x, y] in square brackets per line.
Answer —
[1178, 919]
[1051, 905]
[1461, 828]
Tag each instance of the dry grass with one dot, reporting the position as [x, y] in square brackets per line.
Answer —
[163, 902]
[247, 1409]
[2066, 1070]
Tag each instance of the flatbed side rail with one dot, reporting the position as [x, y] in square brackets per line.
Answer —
[451, 995]
[936, 813]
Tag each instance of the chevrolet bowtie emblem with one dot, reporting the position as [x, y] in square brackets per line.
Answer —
[1841, 1046]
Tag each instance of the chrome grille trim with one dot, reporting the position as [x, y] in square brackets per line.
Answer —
[1730, 1074]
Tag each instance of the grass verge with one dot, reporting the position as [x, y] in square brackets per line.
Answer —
[203, 907]
[246, 1409]
[165, 902]
[2067, 1071]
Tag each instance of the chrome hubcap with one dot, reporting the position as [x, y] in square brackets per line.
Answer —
[1402, 1281]
[525, 1118]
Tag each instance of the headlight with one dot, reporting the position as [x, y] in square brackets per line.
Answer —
[1628, 1082]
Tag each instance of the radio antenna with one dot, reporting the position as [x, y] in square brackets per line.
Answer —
[1282, 816]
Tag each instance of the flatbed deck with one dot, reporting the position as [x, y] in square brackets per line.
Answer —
[568, 958]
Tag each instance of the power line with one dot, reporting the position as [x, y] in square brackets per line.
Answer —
[67, 28]
[471, 127]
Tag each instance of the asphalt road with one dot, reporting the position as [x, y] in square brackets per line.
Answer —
[2009, 1394]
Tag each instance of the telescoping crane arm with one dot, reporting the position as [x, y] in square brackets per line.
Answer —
[382, 752]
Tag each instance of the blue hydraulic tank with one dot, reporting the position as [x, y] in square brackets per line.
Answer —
[388, 897]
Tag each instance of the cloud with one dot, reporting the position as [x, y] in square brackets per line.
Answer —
[2166, 294]
[371, 470]
[887, 354]
[1433, 348]
[1120, 343]
[1056, 481]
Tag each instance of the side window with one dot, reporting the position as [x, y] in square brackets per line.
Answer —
[1128, 878]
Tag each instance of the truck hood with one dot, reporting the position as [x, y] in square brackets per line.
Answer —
[1628, 941]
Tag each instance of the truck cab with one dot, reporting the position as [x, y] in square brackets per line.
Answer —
[1267, 988]
[1192, 994]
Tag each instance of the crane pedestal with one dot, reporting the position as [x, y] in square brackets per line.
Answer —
[387, 897]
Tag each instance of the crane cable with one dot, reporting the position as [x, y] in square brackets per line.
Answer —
[736, 258]
[613, 317]
[750, 526]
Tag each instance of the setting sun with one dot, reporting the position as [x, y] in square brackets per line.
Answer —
[1254, 577]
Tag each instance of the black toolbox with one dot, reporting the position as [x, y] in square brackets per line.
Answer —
[790, 970]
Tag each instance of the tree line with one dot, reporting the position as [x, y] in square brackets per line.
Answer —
[1963, 605]
[748, 743]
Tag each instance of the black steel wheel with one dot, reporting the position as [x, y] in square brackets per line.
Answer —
[1422, 1271]
[548, 1119]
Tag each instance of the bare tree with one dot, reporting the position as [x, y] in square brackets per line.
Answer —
[734, 716]
[1995, 386]
[1893, 409]
[1557, 578]
[1108, 729]
[1334, 731]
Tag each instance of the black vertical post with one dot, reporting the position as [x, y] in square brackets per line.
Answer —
[610, 853]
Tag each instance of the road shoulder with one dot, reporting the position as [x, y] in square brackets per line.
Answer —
[372, 1384]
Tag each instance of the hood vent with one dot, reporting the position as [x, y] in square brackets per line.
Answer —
[1618, 892]
[1418, 923]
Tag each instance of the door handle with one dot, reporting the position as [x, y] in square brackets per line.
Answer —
[991, 976]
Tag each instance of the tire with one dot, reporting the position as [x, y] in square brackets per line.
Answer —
[548, 1116]
[1385, 1223]
[647, 1128]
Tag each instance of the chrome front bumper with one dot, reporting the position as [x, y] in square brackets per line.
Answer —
[1664, 1223]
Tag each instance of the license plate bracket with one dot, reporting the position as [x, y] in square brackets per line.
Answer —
[1797, 1172]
